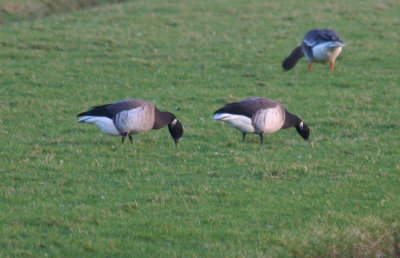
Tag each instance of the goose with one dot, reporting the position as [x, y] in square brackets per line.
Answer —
[318, 45]
[260, 116]
[131, 116]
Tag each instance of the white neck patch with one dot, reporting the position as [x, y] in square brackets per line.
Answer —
[174, 122]
[301, 125]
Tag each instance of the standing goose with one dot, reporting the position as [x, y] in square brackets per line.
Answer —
[260, 116]
[131, 116]
[318, 46]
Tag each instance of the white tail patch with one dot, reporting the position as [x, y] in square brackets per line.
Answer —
[174, 122]
[222, 116]
[336, 44]
[242, 123]
[105, 124]
[83, 119]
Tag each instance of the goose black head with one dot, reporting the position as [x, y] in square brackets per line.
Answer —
[303, 130]
[176, 130]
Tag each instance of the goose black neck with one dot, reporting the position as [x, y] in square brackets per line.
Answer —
[162, 119]
[291, 120]
[291, 60]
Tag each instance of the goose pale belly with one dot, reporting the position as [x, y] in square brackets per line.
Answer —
[135, 121]
[326, 52]
[269, 120]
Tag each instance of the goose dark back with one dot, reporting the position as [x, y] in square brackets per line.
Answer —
[98, 111]
[247, 107]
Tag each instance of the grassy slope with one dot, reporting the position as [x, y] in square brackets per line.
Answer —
[66, 189]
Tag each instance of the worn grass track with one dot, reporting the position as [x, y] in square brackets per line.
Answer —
[66, 189]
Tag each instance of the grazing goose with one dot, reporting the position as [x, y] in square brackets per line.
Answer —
[131, 116]
[318, 46]
[260, 116]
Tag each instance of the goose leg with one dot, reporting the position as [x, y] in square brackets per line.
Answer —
[130, 138]
[123, 137]
[262, 138]
[332, 65]
[243, 137]
[309, 66]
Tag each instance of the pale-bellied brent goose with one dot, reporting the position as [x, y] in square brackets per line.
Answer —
[131, 116]
[260, 116]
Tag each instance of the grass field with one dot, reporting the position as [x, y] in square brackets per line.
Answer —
[68, 190]
[16, 10]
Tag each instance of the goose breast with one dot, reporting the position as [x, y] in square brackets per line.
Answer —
[137, 120]
[269, 120]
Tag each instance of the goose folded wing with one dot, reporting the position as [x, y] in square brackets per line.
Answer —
[317, 36]
[247, 107]
[110, 110]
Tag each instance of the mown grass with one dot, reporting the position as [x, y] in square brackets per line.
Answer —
[66, 189]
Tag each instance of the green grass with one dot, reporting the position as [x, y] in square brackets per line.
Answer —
[16, 10]
[68, 190]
